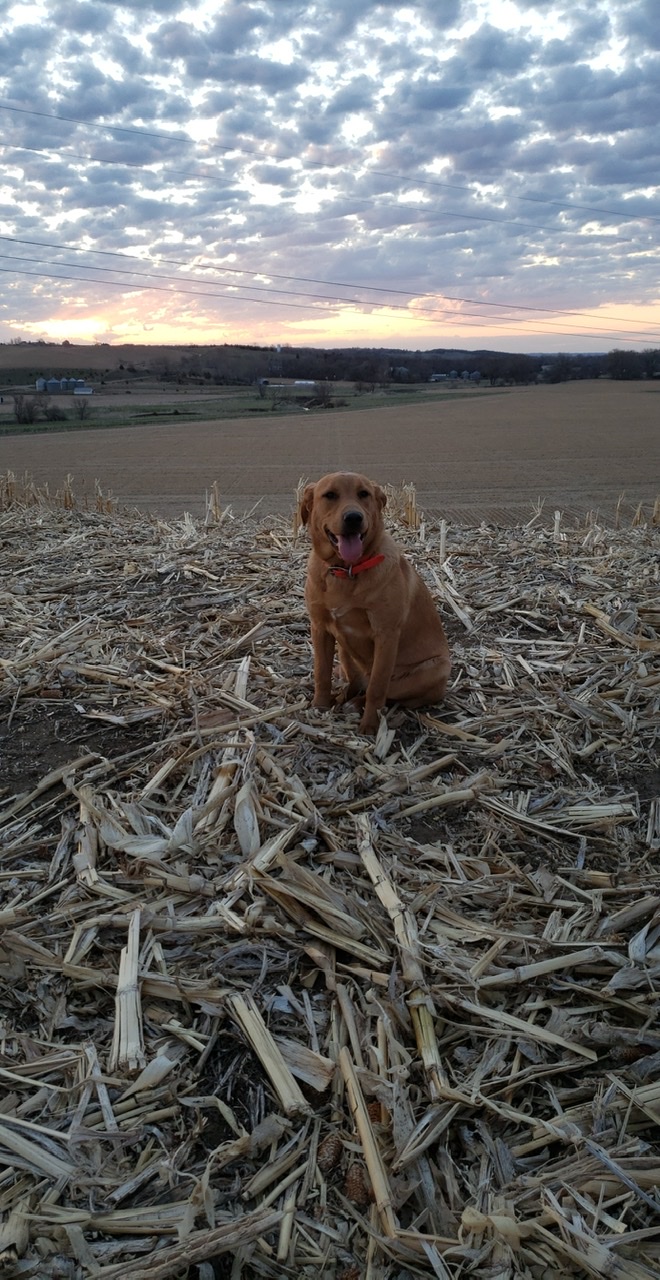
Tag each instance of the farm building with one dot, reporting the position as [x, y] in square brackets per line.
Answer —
[64, 385]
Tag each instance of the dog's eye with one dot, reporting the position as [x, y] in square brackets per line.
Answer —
[330, 495]
[363, 493]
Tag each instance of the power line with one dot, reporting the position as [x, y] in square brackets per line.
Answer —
[597, 331]
[256, 288]
[338, 284]
[298, 306]
[423, 210]
[121, 284]
[318, 164]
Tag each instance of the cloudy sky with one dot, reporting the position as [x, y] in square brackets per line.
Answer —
[471, 173]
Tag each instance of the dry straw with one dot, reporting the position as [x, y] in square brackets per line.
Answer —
[315, 1004]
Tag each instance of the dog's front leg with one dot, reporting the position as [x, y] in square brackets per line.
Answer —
[385, 651]
[324, 651]
[355, 680]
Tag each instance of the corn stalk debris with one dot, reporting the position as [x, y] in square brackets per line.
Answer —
[278, 1000]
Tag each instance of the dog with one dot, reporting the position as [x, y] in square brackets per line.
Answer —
[365, 597]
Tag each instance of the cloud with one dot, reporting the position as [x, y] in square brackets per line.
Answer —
[490, 50]
[640, 22]
[501, 152]
[357, 95]
[237, 26]
[84, 18]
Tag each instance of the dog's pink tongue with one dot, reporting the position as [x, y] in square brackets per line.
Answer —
[350, 549]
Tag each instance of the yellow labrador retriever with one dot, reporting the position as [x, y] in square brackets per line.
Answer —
[363, 595]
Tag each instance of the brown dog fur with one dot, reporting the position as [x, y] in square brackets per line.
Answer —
[383, 620]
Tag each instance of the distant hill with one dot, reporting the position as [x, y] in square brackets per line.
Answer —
[54, 357]
[244, 364]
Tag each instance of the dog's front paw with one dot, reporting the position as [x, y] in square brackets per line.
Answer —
[369, 723]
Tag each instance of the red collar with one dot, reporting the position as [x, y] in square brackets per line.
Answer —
[340, 571]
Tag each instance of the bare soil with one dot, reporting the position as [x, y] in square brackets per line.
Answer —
[576, 447]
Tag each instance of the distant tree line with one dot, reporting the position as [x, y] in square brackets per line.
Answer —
[369, 369]
[628, 365]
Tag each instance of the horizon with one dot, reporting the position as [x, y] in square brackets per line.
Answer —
[443, 352]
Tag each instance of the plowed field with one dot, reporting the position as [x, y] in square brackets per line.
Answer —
[578, 447]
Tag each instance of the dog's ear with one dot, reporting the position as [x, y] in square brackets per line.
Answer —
[381, 496]
[306, 503]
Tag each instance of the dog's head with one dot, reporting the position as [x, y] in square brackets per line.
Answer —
[344, 513]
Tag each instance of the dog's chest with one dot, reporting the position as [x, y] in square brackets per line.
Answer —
[344, 617]
[346, 620]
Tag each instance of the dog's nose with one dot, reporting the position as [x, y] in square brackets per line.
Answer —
[353, 520]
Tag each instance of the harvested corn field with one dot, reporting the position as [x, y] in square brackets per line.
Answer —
[279, 1000]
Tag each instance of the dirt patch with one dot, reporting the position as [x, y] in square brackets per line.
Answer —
[43, 735]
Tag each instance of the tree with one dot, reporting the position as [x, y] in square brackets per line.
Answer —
[54, 412]
[651, 361]
[81, 408]
[323, 393]
[277, 394]
[27, 408]
[560, 369]
[624, 366]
